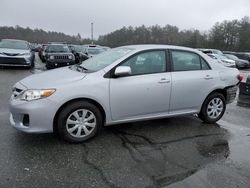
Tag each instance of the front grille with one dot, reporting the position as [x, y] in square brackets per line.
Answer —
[61, 57]
[17, 92]
[12, 61]
[11, 54]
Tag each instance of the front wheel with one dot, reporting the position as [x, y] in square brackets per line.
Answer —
[79, 121]
[213, 108]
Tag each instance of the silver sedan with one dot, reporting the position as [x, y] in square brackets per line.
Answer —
[124, 84]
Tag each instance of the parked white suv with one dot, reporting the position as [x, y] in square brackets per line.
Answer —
[124, 84]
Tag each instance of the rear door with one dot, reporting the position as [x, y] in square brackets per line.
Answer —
[192, 80]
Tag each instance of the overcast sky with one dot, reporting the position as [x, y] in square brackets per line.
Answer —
[75, 16]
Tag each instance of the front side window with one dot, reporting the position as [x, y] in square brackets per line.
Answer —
[188, 61]
[147, 62]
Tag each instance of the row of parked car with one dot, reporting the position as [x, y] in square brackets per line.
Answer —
[239, 60]
[22, 53]
[61, 54]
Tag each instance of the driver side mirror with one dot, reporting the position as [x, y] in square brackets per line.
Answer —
[122, 71]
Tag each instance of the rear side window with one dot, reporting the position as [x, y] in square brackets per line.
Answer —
[188, 61]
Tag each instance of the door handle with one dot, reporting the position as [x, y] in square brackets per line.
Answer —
[208, 77]
[164, 80]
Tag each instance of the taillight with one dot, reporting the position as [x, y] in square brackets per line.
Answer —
[240, 77]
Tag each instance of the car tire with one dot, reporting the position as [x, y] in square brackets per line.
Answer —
[48, 67]
[213, 108]
[32, 64]
[73, 124]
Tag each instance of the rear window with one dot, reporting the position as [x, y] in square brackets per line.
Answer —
[95, 51]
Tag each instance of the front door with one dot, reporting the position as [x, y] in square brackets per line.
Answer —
[146, 92]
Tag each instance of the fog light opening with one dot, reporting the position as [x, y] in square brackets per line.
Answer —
[26, 120]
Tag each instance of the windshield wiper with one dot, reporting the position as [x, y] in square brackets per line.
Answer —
[80, 68]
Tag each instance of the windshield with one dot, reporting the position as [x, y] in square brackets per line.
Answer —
[95, 51]
[57, 48]
[14, 44]
[101, 61]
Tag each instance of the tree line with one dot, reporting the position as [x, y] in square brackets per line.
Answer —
[233, 35]
[39, 36]
[228, 35]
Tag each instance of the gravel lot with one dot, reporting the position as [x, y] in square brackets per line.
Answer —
[174, 152]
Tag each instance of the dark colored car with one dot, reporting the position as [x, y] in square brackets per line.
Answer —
[16, 53]
[58, 55]
[78, 52]
[243, 55]
[240, 63]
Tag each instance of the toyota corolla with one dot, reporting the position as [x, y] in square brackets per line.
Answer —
[124, 84]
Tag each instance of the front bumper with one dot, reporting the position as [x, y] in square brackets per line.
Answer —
[34, 116]
[54, 64]
[22, 61]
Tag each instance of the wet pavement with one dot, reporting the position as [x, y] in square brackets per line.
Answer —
[173, 152]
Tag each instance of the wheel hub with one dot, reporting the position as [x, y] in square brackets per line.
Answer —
[81, 123]
[215, 108]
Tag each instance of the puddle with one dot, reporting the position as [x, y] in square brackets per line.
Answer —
[234, 171]
[171, 160]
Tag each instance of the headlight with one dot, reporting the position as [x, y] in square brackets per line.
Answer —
[70, 57]
[30, 95]
[51, 57]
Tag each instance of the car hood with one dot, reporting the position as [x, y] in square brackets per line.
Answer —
[228, 60]
[13, 51]
[52, 78]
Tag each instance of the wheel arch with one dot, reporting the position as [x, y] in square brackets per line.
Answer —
[98, 105]
[219, 90]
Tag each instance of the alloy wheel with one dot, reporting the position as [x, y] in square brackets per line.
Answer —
[81, 123]
[215, 108]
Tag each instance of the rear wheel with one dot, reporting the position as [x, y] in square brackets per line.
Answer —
[79, 121]
[213, 108]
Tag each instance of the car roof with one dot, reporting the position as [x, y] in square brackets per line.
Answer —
[157, 46]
